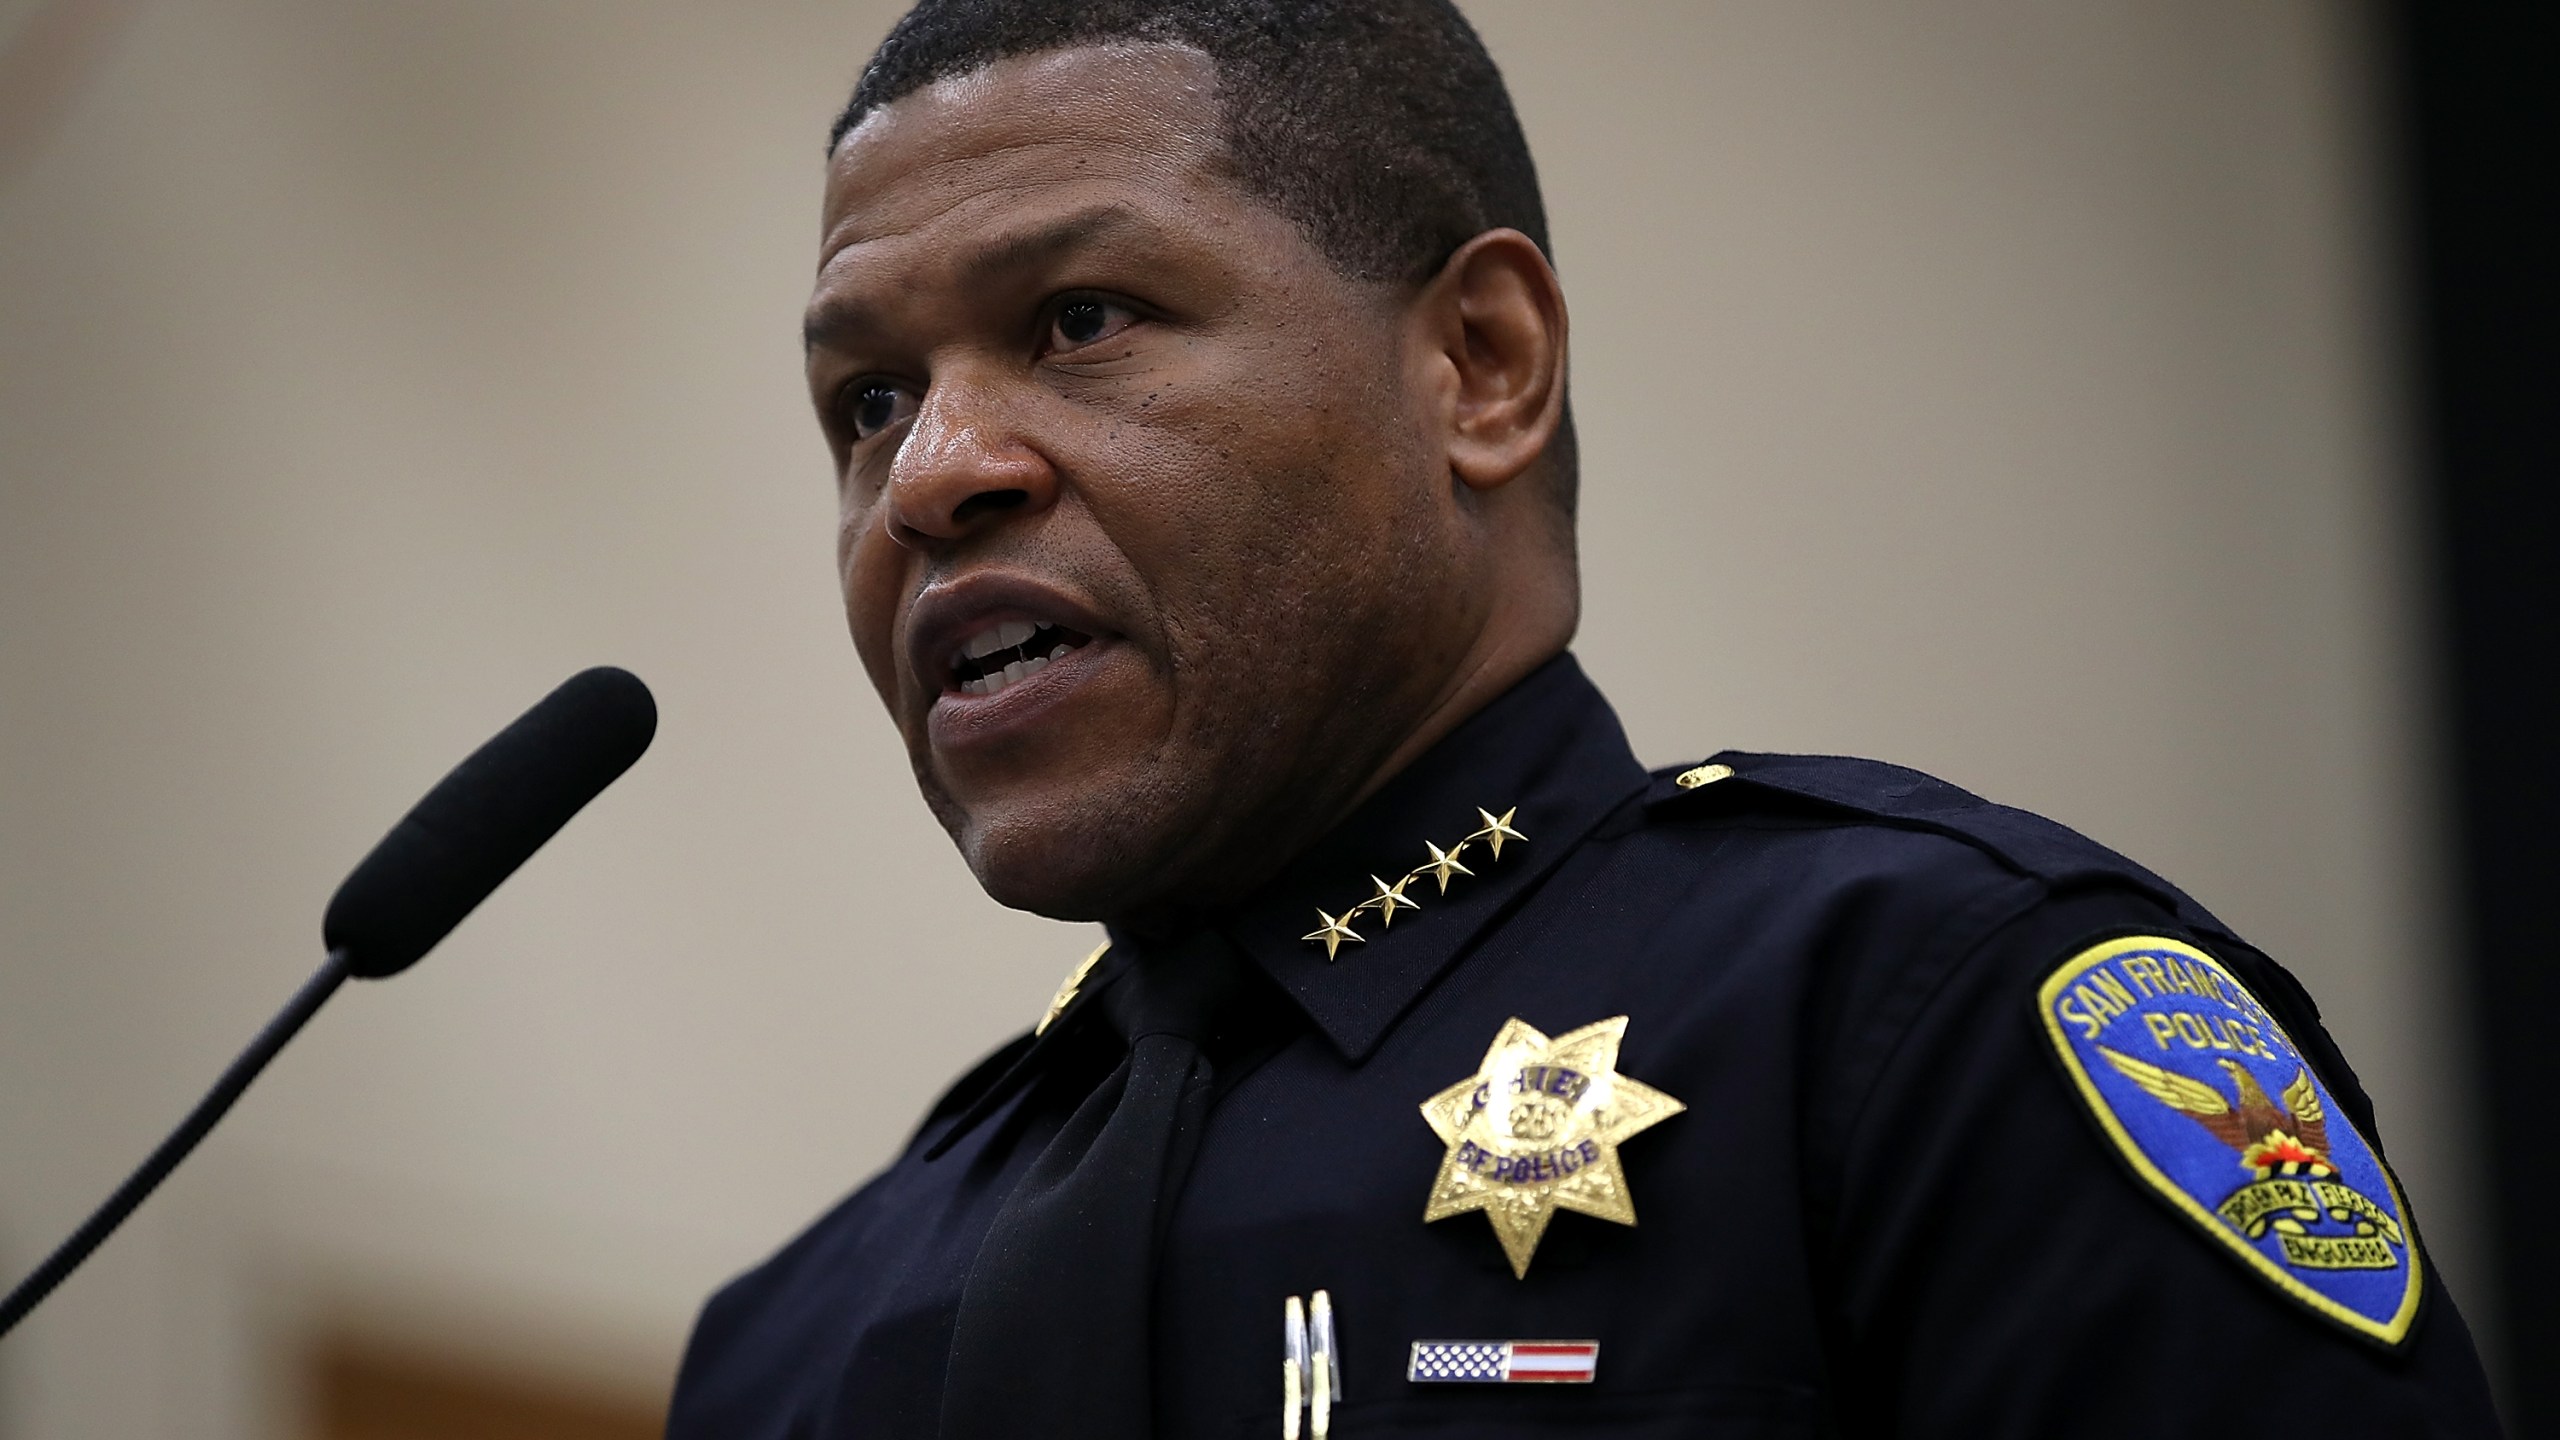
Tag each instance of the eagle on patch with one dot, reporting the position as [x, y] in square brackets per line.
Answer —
[2314, 1211]
[2287, 1137]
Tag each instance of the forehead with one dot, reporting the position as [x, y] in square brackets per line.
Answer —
[1037, 131]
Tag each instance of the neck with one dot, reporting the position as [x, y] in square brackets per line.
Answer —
[1476, 683]
[1531, 623]
[1495, 664]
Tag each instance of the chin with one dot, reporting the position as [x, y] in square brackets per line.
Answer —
[1057, 867]
[1068, 881]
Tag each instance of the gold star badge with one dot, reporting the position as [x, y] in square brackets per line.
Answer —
[1536, 1129]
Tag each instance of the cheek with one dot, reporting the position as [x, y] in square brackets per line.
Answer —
[1265, 547]
[1268, 447]
[869, 570]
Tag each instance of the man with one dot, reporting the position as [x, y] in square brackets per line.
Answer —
[1195, 377]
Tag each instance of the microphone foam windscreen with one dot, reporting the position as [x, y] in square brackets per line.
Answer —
[487, 818]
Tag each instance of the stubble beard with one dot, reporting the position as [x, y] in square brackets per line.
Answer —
[1268, 754]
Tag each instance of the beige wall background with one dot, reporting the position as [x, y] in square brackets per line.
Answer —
[1999, 387]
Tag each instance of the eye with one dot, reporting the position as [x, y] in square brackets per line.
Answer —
[1085, 320]
[871, 406]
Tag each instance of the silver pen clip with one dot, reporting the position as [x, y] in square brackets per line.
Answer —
[1324, 1381]
[1293, 1367]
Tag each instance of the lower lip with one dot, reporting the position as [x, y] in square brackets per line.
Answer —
[965, 722]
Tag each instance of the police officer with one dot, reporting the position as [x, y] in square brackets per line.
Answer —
[1194, 373]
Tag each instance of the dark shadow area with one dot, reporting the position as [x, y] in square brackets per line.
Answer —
[2481, 89]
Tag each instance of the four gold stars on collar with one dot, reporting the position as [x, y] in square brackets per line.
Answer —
[1333, 932]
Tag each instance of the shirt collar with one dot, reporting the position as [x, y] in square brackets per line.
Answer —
[1547, 759]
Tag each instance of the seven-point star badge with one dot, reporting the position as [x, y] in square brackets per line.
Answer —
[1537, 1129]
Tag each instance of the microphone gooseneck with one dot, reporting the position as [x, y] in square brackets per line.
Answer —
[146, 1177]
[467, 836]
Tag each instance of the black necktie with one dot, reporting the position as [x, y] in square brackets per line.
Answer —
[1052, 1338]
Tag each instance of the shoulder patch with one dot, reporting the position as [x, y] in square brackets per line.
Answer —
[2214, 1107]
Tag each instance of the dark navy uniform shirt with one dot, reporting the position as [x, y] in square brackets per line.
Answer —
[1899, 1201]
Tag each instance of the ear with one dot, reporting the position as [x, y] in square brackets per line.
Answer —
[1493, 335]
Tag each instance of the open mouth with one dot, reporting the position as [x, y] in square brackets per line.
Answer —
[1007, 653]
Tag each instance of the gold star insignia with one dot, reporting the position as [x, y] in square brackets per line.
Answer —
[1066, 995]
[1537, 1129]
[1444, 865]
[1335, 932]
[1387, 899]
[1497, 831]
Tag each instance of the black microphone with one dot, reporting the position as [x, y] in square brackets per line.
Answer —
[487, 818]
[437, 865]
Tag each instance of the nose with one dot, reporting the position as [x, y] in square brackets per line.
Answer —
[963, 468]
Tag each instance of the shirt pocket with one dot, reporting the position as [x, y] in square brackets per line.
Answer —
[1544, 1412]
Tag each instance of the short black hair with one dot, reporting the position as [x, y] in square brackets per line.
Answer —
[1381, 128]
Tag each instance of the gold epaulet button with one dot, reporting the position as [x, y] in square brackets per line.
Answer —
[1703, 775]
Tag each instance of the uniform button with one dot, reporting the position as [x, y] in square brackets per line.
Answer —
[1703, 775]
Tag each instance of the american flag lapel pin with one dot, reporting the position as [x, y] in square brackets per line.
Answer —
[1503, 1362]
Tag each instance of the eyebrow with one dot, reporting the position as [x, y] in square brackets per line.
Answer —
[837, 316]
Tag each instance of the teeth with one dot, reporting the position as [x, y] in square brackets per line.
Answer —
[1002, 636]
[997, 681]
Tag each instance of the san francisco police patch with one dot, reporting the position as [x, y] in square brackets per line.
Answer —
[2214, 1107]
